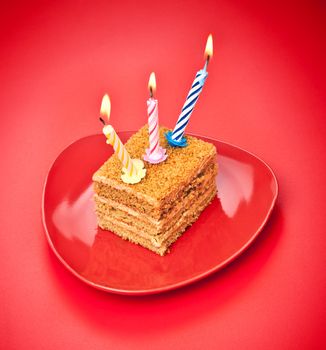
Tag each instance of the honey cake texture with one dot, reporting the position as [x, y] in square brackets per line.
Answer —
[156, 211]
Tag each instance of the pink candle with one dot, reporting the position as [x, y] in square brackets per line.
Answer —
[153, 128]
[154, 154]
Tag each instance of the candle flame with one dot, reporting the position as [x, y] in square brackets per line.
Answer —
[209, 47]
[152, 83]
[106, 107]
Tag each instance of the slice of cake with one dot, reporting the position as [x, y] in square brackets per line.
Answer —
[157, 210]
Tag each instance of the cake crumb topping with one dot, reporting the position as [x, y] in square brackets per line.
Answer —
[161, 179]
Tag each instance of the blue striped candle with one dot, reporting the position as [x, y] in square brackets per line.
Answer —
[176, 138]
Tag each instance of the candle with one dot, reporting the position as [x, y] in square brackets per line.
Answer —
[155, 153]
[114, 140]
[176, 138]
[133, 169]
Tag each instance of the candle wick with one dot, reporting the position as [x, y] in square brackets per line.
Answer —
[151, 92]
[102, 120]
[206, 63]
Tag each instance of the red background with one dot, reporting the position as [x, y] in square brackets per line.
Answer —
[265, 92]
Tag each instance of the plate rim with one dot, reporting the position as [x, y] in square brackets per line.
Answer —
[173, 286]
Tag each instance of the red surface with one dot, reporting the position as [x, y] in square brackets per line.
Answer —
[247, 193]
[265, 92]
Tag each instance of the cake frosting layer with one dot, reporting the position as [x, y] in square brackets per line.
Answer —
[158, 243]
[157, 227]
[152, 206]
[196, 187]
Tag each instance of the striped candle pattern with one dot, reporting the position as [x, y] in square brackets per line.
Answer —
[120, 150]
[189, 105]
[153, 129]
[155, 153]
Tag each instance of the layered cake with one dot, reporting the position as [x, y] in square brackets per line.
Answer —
[157, 210]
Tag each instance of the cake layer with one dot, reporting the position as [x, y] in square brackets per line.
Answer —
[152, 208]
[159, 243]
[155, 227]
[196, 187]
[151, 233]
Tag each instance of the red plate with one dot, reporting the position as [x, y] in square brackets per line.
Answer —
[247, 190]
